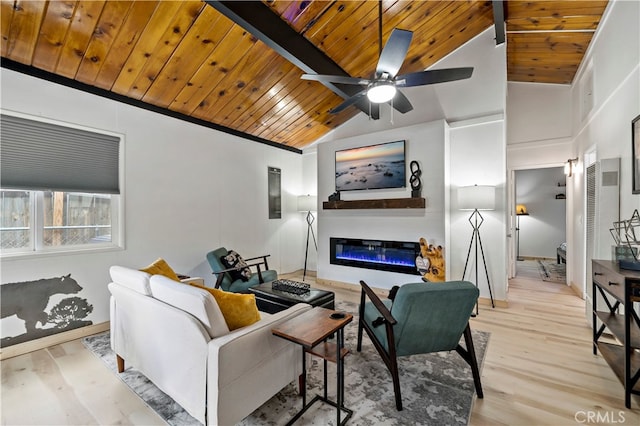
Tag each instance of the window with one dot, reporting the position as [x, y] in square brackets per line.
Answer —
[40, 221]
[60, 187]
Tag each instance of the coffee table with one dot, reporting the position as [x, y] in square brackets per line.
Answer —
[271, 300]
[311, 330]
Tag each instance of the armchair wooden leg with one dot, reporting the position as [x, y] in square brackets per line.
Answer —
[470, 356]
[360, 320]
[120, 362]
[219, 280]
[395, 376]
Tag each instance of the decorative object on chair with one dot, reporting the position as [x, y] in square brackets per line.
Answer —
[239, 269]
[477, 197]
[225, 281]
[626, 234]
[422, 318]
[570, 166]
[414, 180]
[521, 210]
[430, 263]
[308, 203]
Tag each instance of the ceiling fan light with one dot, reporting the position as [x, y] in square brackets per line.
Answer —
[381, 93]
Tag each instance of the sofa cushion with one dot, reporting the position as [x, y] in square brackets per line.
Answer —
[192, 300]
[132, 279]
[239, 310]
[233, 260]
[161, 267]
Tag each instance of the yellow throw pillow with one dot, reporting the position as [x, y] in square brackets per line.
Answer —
[161, 267]
[238, 309]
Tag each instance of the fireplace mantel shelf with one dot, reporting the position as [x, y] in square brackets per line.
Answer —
[383, 203]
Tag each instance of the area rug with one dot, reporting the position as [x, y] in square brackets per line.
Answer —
[552, 272]
[437, 389]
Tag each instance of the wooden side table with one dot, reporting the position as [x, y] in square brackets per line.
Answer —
[311, 330]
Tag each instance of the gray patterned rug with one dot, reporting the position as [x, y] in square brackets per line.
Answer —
[437, 389]
[552, 272]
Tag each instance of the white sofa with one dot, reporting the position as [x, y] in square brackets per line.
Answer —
[176, 336]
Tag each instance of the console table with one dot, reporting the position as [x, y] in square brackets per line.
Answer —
[619, 288]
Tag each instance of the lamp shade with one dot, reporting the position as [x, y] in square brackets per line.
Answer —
[477, 197]
[307, 203]
[521, 210]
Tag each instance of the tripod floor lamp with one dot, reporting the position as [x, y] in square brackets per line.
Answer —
[308, 203]
[521, 210]
[477, 197]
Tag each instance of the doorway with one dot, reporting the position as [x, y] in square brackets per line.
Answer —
[539, 221]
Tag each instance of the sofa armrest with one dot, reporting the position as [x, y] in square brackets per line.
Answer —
[252, 365]
[193, 280]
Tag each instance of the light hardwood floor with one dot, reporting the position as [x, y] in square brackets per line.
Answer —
[539, 370]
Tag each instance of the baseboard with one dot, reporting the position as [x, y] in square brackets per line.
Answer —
[577, 290]
[350, 287]
[484, 301]
[385, 292]
[56, 339]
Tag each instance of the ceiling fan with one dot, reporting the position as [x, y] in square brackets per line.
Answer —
[382, 88]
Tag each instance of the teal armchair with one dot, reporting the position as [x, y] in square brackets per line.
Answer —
[225, 281]
[422, 318]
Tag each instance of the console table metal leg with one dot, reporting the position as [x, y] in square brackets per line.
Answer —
[304, 378]
[325, 379]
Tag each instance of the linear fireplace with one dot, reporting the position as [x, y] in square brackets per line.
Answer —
[392, 256]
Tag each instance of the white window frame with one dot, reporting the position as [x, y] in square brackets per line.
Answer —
[36, 248]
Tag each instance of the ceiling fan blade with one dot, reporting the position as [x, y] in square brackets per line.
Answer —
[422, 78]
[348, 102]
[401, 103]
[394, 52]
[335, 79]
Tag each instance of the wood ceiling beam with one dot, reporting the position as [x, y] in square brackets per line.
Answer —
[259, 20]
[498, 20]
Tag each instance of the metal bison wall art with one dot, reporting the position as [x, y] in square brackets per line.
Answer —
[28, 301]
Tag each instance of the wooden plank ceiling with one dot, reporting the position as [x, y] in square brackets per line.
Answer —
[187, 58]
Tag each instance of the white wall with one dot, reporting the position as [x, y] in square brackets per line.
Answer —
[425, 144]
[545, 228]
[187, 190]
[310, 186]
[538, 112]
[614, 59]
[477, 156]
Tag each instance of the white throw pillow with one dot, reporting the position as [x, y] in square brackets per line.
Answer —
[192, 300]
[133, 279]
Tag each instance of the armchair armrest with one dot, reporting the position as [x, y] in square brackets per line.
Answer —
[384, 311]
[220, 274]
[264, 260]
[192, 280]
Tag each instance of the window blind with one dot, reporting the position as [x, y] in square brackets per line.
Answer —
[35, 155]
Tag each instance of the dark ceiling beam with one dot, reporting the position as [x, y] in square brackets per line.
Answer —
[260, 21]
[498, 20]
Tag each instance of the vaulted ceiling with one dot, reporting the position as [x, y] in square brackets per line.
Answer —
[189, 59]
